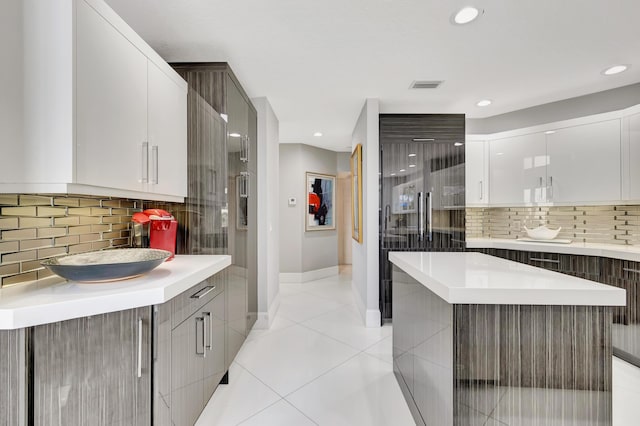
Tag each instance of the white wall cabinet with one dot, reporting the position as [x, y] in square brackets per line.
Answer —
[102, 113]
[476, 173]
[584, 163]
[517, 170]
[632, 159]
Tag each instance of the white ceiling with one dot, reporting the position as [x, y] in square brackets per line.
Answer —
[317, 60]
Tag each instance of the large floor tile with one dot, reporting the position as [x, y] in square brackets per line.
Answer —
[243, 397]
[383, 349]
[303, 306]
[289, 358]
[362, 391]
[278, 323]
[279, 414]
[346, 326]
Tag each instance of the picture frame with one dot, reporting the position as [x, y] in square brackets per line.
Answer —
[321, 201]
[356, 194]
[242, 207]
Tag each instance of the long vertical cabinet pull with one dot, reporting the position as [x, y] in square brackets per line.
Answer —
[139, 347]
[199, 341]
[420, 216]
[481, 194]
[430, 215]
[154, 161]
[244, 184]
[244, 149]
[551, 187]
[144, 167]
[248, 153]
[207, 331]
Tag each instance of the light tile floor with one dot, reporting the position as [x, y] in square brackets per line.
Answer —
[318, 365]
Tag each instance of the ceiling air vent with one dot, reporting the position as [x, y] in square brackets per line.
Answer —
[425, 84]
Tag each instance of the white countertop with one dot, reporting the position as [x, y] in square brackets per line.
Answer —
[476, 278]
[42, 302]
[624, 252]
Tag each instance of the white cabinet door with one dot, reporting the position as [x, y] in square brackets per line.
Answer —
[167, 134]
[517, 169]
[584, 163]
[111, 108]
[476, 173]
[634, 156]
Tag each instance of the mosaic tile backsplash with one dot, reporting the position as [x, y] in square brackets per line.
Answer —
[37, 227]
[590, 224]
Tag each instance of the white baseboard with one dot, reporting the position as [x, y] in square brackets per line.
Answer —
[266, 318]
[371, 317]
[303, 277]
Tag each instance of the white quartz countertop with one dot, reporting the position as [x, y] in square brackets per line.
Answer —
[624, 252]
[42, 302]
[475, 278]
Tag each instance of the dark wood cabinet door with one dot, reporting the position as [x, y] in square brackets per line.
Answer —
[93, 370]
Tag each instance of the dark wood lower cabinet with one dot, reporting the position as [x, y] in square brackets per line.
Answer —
[13, 399]
[93, 370]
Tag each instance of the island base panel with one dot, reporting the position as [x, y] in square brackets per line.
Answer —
[518, 364]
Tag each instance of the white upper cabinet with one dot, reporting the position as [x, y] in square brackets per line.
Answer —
[632, 166]
[517, 170]
[476, 173]
[584, 163]
[111, 105]
[98, 111]
[167, 114]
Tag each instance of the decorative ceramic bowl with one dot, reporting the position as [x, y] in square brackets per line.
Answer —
[542, 233]
[107, 265]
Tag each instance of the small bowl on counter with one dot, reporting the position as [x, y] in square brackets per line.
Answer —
[542, 233]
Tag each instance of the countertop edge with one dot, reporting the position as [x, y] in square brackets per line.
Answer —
[602, 295]
[30, 316]
[581, 249]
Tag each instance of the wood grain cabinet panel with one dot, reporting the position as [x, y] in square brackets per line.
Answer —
[93, 370]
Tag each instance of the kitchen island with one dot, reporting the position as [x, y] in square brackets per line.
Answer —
[478, 338]
[130, 352]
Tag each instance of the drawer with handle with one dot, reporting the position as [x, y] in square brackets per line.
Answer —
[188, 302]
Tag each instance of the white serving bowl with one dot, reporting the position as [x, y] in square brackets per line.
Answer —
[542, 233]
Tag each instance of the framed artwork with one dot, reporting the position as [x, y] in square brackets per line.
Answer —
[242, 208]
[321, 200]
[356, 194]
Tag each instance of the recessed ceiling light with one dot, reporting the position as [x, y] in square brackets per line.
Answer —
[235, 135]
[458, 144]
[466, 15]
[412, 155]
[412, 165]
[616, 69]
[484, 103]
[317, 134]
[393, 174]
[549, 132]
[402, 170]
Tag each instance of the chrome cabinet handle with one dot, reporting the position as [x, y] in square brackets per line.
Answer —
[537, 259]
[203, 292]
[154, 159]
[635, 271]
[144, 167]
[420, 216]
[540, 184]
[244, 149]
[248, 148]
[244, 184]
[481, 194]
[139, 347]
[199, 342]
[207, 339]
[430, 215]
[551, 187]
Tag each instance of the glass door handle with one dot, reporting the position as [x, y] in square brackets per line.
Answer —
[430, 215]
[420, 216]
